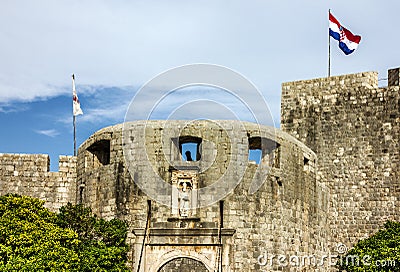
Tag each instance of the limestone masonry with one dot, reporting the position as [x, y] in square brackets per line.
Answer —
[330, 175]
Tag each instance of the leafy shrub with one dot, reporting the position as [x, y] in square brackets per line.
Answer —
[380, 252]
[32, 238]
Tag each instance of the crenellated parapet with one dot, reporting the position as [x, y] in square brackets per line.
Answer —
[29, 174]
[354, 128]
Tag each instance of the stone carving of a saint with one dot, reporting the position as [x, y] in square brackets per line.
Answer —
[184, 200]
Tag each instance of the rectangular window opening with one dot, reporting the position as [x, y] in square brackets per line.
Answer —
[100, 153]
[189, 151]
[189, 148]
[264, 151]
[255, 155]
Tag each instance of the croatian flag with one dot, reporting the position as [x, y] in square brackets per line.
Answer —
[347, 41]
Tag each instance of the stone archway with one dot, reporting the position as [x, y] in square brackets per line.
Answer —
[183, 264]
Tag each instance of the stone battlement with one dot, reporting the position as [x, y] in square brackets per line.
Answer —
[354, 128]
[29, 174]
[364, 79]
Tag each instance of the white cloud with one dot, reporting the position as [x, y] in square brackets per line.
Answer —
[102, 104]
[113, 113]
[48, 132]
[128, 42]
[202, 102]
[11, 108]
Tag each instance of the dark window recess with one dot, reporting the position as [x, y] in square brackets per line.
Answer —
[101, 151]
[306, 164]
[189, 148]
[265, 151]
[309, 164]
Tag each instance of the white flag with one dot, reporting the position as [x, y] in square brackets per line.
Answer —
[76, 106]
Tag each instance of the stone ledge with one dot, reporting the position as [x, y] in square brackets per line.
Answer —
[178, 219]
[184, 245]
[185, 232]
[183, 165]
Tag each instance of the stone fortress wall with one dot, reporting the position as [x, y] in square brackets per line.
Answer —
[278, 219]
[354, 128]
[335, 180]
[28, 174]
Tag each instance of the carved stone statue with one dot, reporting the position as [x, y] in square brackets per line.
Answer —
[184, 194]
[184, 199]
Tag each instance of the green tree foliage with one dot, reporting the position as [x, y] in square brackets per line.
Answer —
[380, 252]
[31, 241]
[32, 238]
[103, 246]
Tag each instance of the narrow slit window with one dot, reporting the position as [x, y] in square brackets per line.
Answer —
[306, 164]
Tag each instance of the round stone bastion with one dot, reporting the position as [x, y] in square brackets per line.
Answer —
[204, 194]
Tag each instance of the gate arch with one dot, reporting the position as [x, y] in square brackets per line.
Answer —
[161, 258]
[183, 264]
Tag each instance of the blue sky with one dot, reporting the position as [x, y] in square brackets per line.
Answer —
[115, 47]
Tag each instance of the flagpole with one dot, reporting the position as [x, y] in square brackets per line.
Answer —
[329, 49]
[74, 123]
[73, 113]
